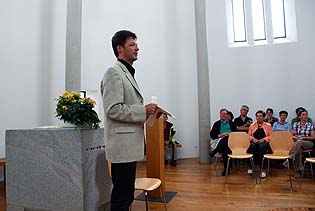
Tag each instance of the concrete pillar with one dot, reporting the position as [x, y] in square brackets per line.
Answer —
[203, 80]
[73, 45]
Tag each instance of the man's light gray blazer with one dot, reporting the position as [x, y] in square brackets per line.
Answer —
[124, 115]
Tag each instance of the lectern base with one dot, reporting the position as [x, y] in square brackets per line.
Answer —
[168, 197]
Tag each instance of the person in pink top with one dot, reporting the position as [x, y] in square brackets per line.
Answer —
[259, 135]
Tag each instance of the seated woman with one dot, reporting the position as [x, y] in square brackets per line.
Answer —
[259, 135]
[220, 130]
[304, 136]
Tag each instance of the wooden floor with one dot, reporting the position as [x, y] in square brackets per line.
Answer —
[200, 188]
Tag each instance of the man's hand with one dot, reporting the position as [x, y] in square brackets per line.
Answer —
[151, 108]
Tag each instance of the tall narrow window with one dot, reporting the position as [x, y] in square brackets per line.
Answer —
[238, 20]
[258, 20]
[278, 18]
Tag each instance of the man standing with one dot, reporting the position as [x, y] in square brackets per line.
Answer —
[124, 115]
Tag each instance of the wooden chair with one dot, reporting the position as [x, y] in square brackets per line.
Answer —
[149, 184]
[281, 144]
[311, 161]
[239, 143]
[3, 163]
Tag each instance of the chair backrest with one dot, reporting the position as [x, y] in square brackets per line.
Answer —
[238, 142]
[281, 142]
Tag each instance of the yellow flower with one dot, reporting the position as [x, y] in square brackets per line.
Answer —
[64, 107]
[65, 94]
[89, 101]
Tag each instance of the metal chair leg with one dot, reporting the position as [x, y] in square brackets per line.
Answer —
[261, 169]
[146, 200]
[227, 169]
[251, 160]
[302, 176]
[289, 172]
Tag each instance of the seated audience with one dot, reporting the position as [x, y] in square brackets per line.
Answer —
[282, 124]
[296, 119]
[220, 133]
[169, 141]
[304, 136]
[269, 117]
[259, 135]
[243, 122]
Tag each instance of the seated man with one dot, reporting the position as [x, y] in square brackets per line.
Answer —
[169, 141]
[243, 122]
[282, 124]
[220, 130]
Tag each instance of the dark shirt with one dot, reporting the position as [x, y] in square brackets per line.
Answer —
[274, 119]
[129, 67]
[259, 133]
[239, 122]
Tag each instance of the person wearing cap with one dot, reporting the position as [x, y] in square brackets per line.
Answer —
[243, 122]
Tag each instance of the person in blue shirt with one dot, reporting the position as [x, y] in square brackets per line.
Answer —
[282, 124]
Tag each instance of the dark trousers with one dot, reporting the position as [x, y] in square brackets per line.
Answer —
[224, 149]
[123, 178]
[258, 151]
[173, 146]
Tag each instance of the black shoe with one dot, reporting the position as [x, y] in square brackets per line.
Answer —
[173, 162]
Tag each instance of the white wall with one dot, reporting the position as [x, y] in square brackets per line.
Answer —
[280, 76]
[32, 53]
[32, 44]
[166, 67]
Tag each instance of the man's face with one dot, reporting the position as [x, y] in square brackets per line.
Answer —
[244, 111]
[128, 52]
[223, 115]
[283, 117]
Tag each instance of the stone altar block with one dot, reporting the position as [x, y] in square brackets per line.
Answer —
[57, 169]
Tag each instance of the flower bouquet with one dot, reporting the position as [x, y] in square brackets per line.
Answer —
[74, 109]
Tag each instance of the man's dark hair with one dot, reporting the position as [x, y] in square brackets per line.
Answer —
[120, 38]
[260, 112]
[283, 112]
[298, 109]
[269, 109]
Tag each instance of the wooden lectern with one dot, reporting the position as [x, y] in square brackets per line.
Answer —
[155, 154]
